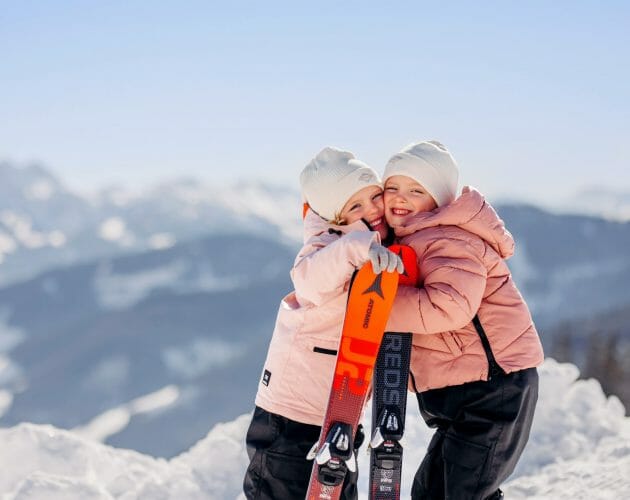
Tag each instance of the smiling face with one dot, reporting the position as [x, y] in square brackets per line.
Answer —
[405, 197]
[367, 204]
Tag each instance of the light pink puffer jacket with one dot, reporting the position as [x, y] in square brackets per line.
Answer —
[298, 372]
[461, 249]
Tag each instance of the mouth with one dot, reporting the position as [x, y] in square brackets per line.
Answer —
[400, 211]
[376, 222]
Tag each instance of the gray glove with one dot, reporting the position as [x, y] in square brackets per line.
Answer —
[384, 260]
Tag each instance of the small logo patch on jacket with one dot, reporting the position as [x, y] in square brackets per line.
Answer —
[266, 377]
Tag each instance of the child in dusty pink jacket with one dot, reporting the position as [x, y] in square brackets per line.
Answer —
[475, 347]
[343, 227]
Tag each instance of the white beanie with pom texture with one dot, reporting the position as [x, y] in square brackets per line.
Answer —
[331, 178]
[429, 163]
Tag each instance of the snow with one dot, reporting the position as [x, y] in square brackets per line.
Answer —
[41, 190]
[23, 230]
[113, 229]
[579, 449]
[610, 203]
[123, 290]
[118, 291]
[7, 245]
[192, 359]
[57, 239]
[267, 203]
[116, 419]
[10, 372]
[160, 241]
[23, 233]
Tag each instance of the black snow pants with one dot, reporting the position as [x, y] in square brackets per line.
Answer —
[278, 468]
[482, 429]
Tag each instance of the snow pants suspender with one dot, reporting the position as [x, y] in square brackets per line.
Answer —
[493, 367]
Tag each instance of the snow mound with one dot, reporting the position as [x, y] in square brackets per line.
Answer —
[579, 448]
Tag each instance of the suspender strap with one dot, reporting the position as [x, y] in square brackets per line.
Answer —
[493, 367]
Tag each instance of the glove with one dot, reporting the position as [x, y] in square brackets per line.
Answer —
[384, 260]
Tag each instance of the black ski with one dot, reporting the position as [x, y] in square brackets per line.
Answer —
[389, 398]
[389, 404]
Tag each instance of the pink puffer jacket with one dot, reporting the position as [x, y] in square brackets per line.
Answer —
[461, 249]
[298, 372]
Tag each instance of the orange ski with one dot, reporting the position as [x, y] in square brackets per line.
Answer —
[370, 300]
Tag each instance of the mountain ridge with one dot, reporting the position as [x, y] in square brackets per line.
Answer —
[131, 306]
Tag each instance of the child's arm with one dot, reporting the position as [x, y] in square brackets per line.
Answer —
[454, 280]
[322, 268]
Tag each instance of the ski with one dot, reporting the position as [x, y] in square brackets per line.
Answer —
[370, 299]
[389, 400]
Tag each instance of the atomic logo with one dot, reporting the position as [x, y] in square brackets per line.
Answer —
[375, 287]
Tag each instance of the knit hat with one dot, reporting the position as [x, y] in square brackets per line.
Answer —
[331, 178]
[430, 164]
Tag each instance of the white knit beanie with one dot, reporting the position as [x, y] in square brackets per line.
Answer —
[331, 178]
[430, 164]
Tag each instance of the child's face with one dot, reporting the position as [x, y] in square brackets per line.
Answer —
[367, 204]
[404, 197]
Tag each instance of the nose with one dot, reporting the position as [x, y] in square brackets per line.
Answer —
[399, 197]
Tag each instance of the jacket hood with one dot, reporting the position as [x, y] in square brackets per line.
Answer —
[470, 212]
[314, 225]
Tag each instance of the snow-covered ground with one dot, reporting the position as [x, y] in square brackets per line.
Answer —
[579, 449]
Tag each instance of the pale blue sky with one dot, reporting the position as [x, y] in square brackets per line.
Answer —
[532, 98]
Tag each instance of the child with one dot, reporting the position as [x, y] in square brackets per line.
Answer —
[475, 346]
[343, 226]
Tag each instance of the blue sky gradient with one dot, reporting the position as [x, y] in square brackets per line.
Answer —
[532, 98]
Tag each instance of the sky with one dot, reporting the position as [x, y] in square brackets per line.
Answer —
[532, 98]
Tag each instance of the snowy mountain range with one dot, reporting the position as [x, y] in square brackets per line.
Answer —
[45, 225]
[599, 201]
[153, 311]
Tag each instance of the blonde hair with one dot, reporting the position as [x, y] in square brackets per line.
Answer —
[338, 220]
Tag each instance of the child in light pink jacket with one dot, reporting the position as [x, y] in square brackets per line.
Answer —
[343, 227]
[475, 346]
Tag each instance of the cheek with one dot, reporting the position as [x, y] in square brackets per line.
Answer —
[380, 206]
[423, 205]
[429, 204]
[349, 219]
[389, 217]
[387, 200]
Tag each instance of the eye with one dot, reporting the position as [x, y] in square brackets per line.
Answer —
[377, 196]
[391, 189]
[417, 191]
[355, 207]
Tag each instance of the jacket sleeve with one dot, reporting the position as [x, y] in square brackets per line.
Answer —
[322, 270]
[454, 279]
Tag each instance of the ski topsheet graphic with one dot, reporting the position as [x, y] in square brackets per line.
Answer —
[370, 300]
[389, 404]
[389, 399]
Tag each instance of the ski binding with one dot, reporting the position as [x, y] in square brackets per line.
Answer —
[336, 455]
